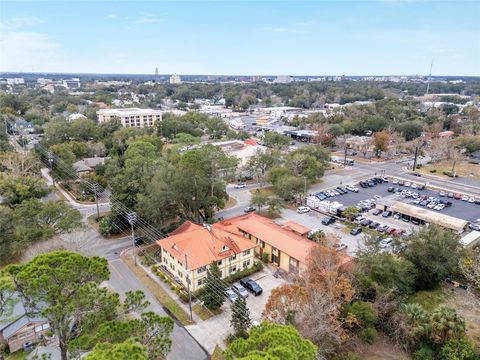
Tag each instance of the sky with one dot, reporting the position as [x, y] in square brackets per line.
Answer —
[386, 37]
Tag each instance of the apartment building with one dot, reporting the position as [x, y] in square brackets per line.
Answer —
[130, 117]
[175, 79]
[188, 252]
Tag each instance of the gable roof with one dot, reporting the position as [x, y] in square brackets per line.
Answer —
[295, 227]
[203, 244]
[281, 238]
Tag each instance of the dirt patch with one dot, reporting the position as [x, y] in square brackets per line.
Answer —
[230, 203]
[268, 190]
[468, 305]
[382, 349]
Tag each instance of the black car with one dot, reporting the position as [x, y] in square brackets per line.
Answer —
[251, 286]
[421, 187]
[328, 220]
[139, 240]
[363, 184]
[373, 225]
[356, 231]
[366, 222]
[401, 183]
[448, 204]
[340, 190]
[416, 174]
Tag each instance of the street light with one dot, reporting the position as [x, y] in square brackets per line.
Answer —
[132, 217]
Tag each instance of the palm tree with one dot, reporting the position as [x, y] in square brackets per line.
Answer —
[414, 324]
[447, 324]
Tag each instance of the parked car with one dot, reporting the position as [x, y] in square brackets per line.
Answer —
[385, 179]
[457, 196]
[340, 246]
[450, 195]
[382, 228]
[351, 188]
[416, 174]
[356, 231]
[366, 222]
[384, 243]
[377, 197]
[387, 213]
[328, 220]
[240, 290]
[390, 189]
[421, 187]
[231, 295]
[395, 181]
[249, 209]
[371, 183]
[373, 225]
[240, 185]
[358, 219]
[251, 286]
[414, 186]
[464, 198]
[401, 182]
[474, 226]
[471, 199]
[441, 193]
[439, 207]
[408, 184]
[376, 212]
[303, 209]
[139, 240]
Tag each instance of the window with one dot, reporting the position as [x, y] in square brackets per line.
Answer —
[246, 264]
[246, 252]
[201, 281]
[201, 270]
[179, 272]
[233, 257]
[219, 262]
[233, 269]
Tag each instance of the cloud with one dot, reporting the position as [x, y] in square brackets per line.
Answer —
[19, 22]
[24, 49]
[147, 19]
[112, 16]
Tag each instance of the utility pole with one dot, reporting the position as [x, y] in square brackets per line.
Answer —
[188, 287]
[415, 159]
[132, 217]
[95, 189]
[305, 191]
[50, 161]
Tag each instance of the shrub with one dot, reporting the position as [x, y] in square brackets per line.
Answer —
[105, 226]
[368, 335]
[266, 258]
[461, 349]
[433, 170]
[449, 174]
[424, 353]
[363, 311]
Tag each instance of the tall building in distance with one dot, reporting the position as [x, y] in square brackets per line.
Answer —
[175, 79]
[157, 78]
[283, 79]
[130, 117]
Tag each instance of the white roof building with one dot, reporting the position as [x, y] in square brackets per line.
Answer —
[130, 117]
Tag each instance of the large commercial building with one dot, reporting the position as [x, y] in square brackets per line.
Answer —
[175, 79]
[130, 117]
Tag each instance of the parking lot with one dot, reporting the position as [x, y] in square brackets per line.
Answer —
[459, 209]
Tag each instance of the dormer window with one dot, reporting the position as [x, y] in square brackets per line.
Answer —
[225, 248]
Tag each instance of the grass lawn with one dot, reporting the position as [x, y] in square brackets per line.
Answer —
[19, 355]
[204, 313]
[429, 299]
[268, 190]
[218, 354]
[463, 169]
[160, 294]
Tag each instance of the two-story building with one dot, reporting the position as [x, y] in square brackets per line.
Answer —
[284, 245]
[189, 250]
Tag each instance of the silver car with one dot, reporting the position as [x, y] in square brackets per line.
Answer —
[231, 295]
[240, 290]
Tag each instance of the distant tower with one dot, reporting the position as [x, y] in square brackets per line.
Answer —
[156, 75]
[429, 78]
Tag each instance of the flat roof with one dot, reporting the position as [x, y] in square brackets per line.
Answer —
[430, 216]
[129, 111]
[470, 239]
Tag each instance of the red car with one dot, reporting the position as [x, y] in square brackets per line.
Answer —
[390, 231]
[398, 232]
[457, 196]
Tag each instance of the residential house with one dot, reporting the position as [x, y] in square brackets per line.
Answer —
[88, 165]
[19, 329]
[189, 250]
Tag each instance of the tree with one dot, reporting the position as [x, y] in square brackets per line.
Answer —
[121, 351]
[275, 140]
[288, 187]
[435, 252]
[259, 198]
[8, 239]
[63, 287]
[17, 188]
[151, 331]
[272, 341]
[240, 320]
[470, 267]
[284, 302]
[259, 164]
[381, 141]
[215, 288]
[350, 212]
[447, 324]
